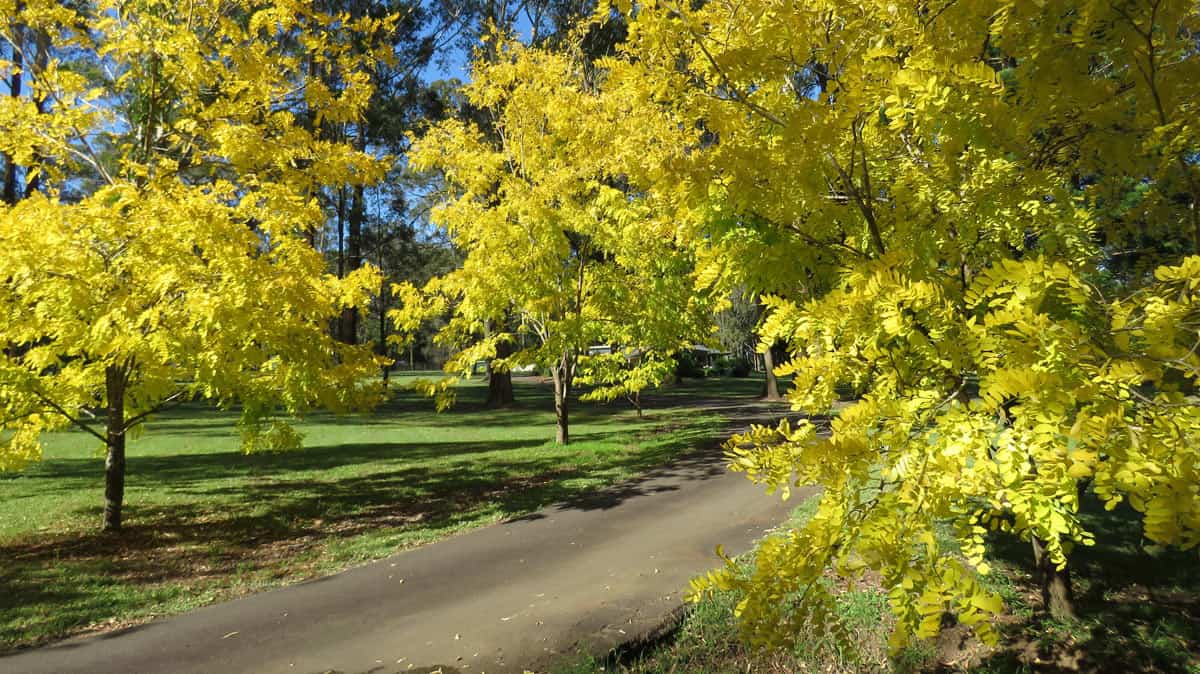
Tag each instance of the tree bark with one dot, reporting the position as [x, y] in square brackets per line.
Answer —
[354, 257]
[344, 328]
[1058, 597]
[382, 347]
[500, 387]
[114, 462]
[14, 86]
[562, 393]
[41, 61]
[771, 384]
[341, 232]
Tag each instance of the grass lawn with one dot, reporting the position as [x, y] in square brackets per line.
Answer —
[205, 522]
[1138, 612]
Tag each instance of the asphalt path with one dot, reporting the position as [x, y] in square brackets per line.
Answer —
[585, 575]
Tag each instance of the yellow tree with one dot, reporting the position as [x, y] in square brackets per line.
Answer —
[164, 256]
[554, 237]
[939, 188]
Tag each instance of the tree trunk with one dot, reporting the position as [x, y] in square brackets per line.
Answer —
[114, 462]
[500, 387]
[562, 395]
[345, 327]
[41, 61]
[308, 121]
[382, 348]
[562, 433]
[341, 232]
[354, 258]
[14, 85]
[771, 385]
[1057, 595]
[635, 399]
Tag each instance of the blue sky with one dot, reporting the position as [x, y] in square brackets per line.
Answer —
[454, 64]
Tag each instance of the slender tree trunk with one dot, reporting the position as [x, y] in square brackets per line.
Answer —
[41, 62]
[341, 232]
[771, 384]
[635, 399]
[114, 462]
[344, 328]
[562, 393]
[354, 255]
[382, 348]
[563, 428]
[1058, 597]
[500, 387]
[308, 121]
[14, 85]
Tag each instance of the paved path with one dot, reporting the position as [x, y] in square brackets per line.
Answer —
[588, 574]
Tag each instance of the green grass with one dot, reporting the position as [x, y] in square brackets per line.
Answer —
[205, 522]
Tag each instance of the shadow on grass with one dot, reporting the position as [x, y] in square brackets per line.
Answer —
[534, 405]
[1138, 612]
[179, 471]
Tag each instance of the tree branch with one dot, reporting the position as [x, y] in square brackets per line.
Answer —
[74, 420]
[728, 84]
[172, 401]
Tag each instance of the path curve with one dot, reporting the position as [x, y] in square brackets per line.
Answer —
[584, 575]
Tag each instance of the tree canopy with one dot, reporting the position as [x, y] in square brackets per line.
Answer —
[552, 237]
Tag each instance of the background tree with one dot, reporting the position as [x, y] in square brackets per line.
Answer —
[484, 26]
[399, 98]
[736, 323]
[737, 327]
[550, 236]
[180, 268]
[403, 254]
